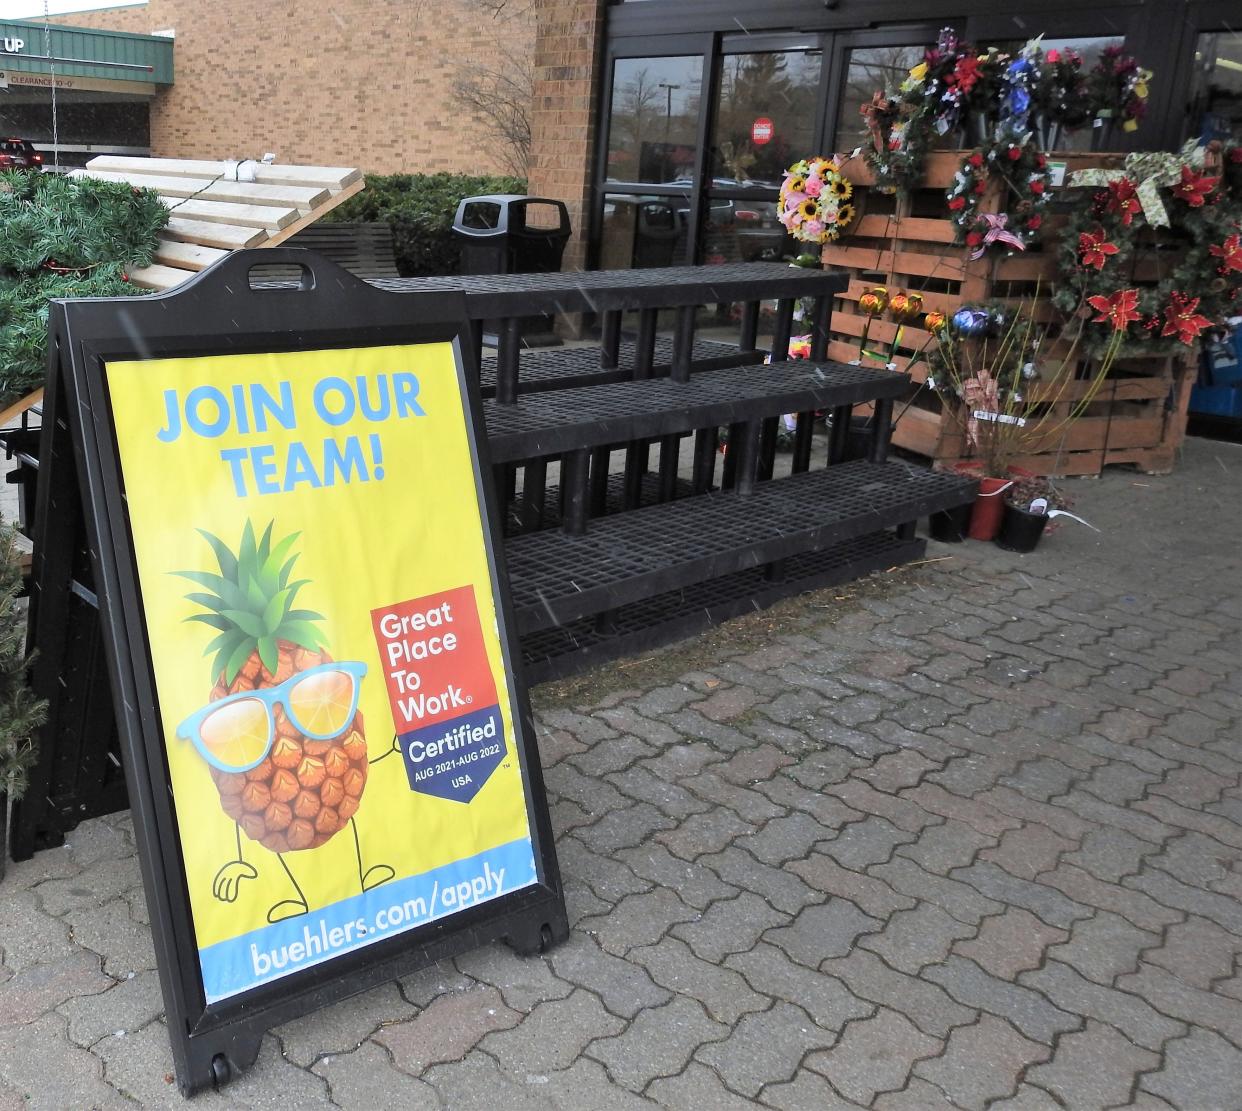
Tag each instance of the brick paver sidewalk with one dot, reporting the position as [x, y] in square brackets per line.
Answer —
[969, 835]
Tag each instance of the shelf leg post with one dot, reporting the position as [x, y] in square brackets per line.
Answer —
[507, 359]
[574, 467]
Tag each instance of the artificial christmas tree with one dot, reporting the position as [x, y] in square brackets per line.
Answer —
[20, 712]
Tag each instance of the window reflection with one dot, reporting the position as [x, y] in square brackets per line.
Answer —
[1216, 93]
[885, 67]
[653, 124]
[87, 122]
[643, 231]
[765, 117]
[868, 69]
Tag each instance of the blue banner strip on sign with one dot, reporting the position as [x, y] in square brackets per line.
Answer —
[241, 963]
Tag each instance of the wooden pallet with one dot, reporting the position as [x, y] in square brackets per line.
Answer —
[906, 245]
[211, 215]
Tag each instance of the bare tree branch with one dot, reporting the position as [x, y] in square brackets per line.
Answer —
[502, 95]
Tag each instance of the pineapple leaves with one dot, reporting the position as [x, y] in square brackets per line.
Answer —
[287, 570]
[224, 646]
[256, 596]
[265, 545]
[269, 653]
[238, 657]
[215, 620]
[226, 559]
[303, 633]
[277, 609]
[227, 593]
[250, 603]
[303, 615]
[249, 624]
[248, 552]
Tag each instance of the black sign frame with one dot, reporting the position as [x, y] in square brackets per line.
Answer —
[221, 311]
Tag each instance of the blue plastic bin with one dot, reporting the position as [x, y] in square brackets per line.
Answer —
[1217, 401]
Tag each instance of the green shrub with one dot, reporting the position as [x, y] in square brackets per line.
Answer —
[420, 209]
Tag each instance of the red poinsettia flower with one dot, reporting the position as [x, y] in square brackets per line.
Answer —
[1034, 222]
[1181, 319]
[1194, 188]
[1013, 153]
[1229, 253]
[1037, 186]
[956, 204]
[975, 160]
[1094, 249]
[965, 74]
[1119, 309]
[1123, 198]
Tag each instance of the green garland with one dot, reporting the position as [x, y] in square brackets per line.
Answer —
[1100, 243]
[63, 237]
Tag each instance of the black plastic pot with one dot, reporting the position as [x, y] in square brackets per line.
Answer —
[949, 525]
[1020, 530]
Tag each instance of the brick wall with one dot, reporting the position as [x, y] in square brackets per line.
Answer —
[356, 82]
[567, 49]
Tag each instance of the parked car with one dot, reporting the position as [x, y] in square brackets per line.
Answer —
[19, 154]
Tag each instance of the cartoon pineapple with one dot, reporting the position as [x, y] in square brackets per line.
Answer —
[282, 733]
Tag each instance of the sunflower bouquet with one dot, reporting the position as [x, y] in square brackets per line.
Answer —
[814, 203]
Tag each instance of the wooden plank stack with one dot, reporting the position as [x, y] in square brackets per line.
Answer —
[1137, 417]
[212, 213]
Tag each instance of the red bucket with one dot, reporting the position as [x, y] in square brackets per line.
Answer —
[985, 518]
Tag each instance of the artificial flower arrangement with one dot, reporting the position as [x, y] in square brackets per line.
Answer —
[1062, 98]
[905, 309]
[1117, 87]
[1012, 384]
[1001, 96]
[1158, 200]
[814, 200]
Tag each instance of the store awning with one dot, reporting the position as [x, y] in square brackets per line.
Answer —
[83, 59]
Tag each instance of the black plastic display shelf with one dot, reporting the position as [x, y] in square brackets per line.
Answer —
[556, 579]
[550, 423]
[568, 649]
[567, 367]
[522, 516]
[507, 295]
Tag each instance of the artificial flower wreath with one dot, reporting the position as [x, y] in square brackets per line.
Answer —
[1097, 246]
[1024, 170]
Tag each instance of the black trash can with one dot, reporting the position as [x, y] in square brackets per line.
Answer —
[507, 233]
[656, 234]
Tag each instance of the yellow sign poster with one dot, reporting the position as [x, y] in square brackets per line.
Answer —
[322, 624]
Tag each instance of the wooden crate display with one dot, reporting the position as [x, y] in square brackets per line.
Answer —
[1138, 416]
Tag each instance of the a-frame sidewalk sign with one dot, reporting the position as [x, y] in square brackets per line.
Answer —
[286, 498]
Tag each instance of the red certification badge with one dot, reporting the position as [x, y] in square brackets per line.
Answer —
[442, 693]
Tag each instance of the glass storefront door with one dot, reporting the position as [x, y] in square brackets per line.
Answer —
[1214, 110]
[765, 115]
[650, 161]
